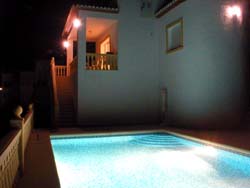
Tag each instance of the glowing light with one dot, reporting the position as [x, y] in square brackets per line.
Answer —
[233, 11]
[75, 174]
[65, 44]
[1, 89]
[130, 164]
[76, 23]
[207, 150]
[183, 160]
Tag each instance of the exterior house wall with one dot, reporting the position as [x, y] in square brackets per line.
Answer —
[130, 94]
[205, 80]
[113, 33]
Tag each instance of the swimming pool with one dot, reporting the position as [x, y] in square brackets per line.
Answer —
[153, 160]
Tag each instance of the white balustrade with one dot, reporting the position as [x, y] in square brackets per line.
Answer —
[101, 61]
[12, 154]
[10, 162]
[61, 70]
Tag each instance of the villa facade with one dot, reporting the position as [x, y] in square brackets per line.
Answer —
[177, 62]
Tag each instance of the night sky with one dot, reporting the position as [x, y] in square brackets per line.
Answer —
[31, 31]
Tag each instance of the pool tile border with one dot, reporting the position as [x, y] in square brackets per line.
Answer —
[214, 144]
[206, 142]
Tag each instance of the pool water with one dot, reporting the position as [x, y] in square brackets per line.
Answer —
[156, 160]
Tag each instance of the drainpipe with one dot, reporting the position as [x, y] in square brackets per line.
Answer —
[163, 104]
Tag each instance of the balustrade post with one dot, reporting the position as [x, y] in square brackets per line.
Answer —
[18, 122]
[52, 64]
[31, 110]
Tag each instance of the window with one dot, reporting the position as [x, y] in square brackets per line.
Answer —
[174, 35]
[105, 46]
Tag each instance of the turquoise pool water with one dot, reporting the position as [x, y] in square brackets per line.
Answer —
[147, 161]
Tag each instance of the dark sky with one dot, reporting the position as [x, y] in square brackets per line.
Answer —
[31, 30]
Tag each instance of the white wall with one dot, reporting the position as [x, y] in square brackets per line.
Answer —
[205, 80]
[130, 94]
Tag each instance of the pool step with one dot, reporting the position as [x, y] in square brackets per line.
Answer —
[165, 141]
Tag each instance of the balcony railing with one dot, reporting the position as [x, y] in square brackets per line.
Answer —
[61, 70]
[93, 62]
[101, 61]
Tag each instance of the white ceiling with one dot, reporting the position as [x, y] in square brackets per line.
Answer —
[95, 27]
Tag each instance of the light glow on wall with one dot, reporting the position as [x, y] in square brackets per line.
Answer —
[234, 11]
[76, 23]
[232, 14]
[65, 44]
[105, 46]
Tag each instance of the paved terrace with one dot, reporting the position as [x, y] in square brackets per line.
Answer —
[40, 169]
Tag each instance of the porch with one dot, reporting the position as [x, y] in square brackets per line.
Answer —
[94, 61]
[98, 42]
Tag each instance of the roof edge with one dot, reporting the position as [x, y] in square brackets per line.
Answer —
[68, 25]
[98, 9]
[73, 13]
[169, 6]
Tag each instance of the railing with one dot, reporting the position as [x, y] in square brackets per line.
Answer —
[10, 162]
[55, 106]
[12, 157]
[101, 61]
[28, 125]
[61, 70]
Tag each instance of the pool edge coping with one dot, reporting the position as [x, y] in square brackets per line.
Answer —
[70, 135]
[203, 141]
[218, 145]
